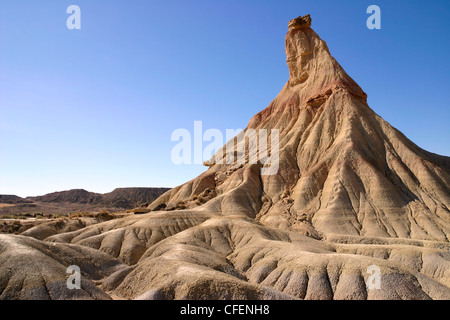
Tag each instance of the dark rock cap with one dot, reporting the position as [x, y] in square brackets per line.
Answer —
[300, 22]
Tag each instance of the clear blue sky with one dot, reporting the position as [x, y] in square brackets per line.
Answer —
[95, 108]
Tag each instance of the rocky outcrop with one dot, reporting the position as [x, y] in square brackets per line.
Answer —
[342, 168]
[300, 22]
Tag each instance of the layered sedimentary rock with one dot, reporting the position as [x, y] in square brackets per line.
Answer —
[342, 168]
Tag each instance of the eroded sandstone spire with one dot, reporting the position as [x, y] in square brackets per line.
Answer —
[307, 56]
[343, 169]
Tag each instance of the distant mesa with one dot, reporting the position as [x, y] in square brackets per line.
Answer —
[121, 197]
[75, 196]
[13, 199]
[77, 200]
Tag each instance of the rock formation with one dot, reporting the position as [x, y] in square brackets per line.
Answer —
[342, 168]
[350, 192]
